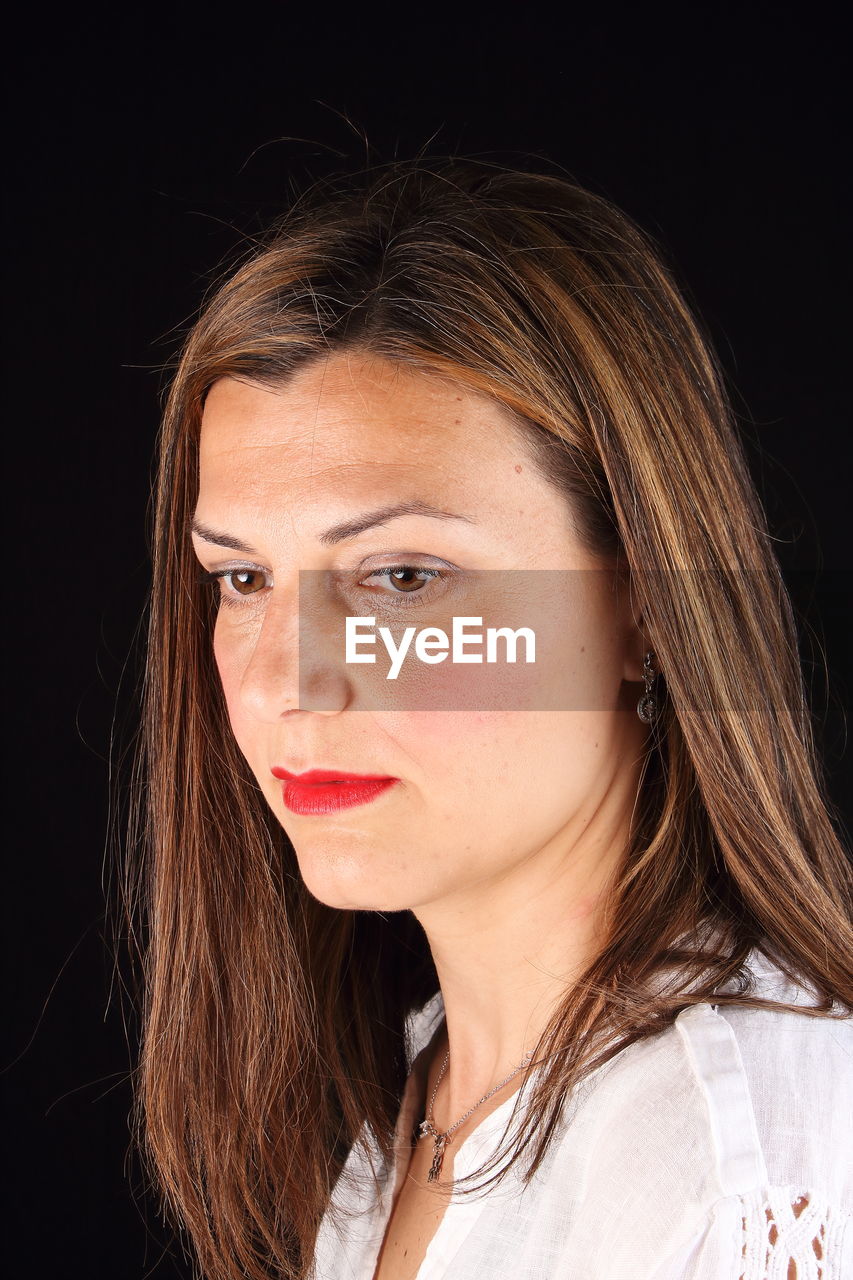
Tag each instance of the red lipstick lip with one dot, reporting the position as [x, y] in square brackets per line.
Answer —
[327, 775]
[324, 791]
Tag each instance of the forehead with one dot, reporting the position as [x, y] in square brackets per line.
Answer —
[354, 432]
[349, 411]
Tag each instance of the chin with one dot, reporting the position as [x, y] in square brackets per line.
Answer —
[346, 884]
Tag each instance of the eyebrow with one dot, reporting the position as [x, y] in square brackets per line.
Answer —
[340, 532]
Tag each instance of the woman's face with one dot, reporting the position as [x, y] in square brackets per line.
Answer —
[494, 773]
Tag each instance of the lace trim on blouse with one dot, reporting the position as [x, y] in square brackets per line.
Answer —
[787, 1235]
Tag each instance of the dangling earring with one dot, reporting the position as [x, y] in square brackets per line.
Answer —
[647, 707]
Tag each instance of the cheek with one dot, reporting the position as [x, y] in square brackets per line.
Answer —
[231, 656]
[476, 756]
[490, 787]
[504, 772]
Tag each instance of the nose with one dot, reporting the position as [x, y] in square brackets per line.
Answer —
[288, 668]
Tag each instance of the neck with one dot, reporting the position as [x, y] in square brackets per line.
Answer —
[508, 952]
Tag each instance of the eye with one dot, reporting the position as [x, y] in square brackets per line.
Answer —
[401, 576]
[237, 582]
[409, 585]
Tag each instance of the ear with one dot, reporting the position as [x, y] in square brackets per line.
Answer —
[636, 639]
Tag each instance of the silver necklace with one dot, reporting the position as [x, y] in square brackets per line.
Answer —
[427, 1128]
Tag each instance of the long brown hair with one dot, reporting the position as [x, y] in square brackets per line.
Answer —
[274, 1026]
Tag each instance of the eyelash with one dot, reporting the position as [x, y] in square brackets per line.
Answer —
[217, 575]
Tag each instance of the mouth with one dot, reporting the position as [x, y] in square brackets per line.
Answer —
[327, 791]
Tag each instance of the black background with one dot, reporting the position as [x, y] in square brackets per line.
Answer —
[143, 145]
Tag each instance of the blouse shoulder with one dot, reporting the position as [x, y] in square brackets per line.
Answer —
[797, 1072]
[734, 1128]
[771, 1090]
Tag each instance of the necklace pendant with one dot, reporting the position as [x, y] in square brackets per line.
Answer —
[438, 1157]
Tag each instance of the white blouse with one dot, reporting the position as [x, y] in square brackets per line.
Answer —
[720, 1148]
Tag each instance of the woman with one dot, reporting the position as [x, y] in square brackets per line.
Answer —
[558, 984]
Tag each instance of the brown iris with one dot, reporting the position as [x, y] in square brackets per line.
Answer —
[411, 583]
[246, 581]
